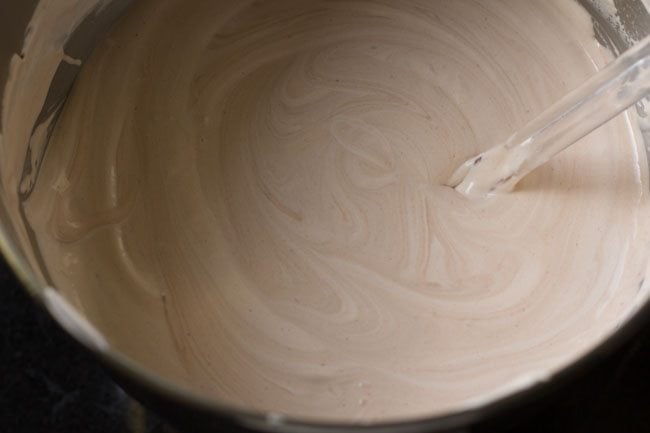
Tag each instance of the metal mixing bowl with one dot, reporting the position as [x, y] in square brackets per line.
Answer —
[617, 24]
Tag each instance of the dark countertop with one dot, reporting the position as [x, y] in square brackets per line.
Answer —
[47, 384]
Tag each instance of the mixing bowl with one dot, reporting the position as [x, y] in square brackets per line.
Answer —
[44, 46]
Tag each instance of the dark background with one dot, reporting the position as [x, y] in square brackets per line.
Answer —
[47, 384]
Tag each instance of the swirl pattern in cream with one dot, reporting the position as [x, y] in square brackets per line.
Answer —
[246, 197]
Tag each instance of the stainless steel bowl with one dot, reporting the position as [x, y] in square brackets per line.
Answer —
[45, 83]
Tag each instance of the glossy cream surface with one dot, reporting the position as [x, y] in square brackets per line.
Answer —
[247, 198]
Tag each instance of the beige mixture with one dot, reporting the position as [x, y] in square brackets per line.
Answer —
[246, 197]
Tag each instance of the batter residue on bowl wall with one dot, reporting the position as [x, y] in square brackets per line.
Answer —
[246, 198]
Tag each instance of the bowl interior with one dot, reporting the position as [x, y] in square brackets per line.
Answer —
[247, 200]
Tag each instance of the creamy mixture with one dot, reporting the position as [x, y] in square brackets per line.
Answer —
[247, 198]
